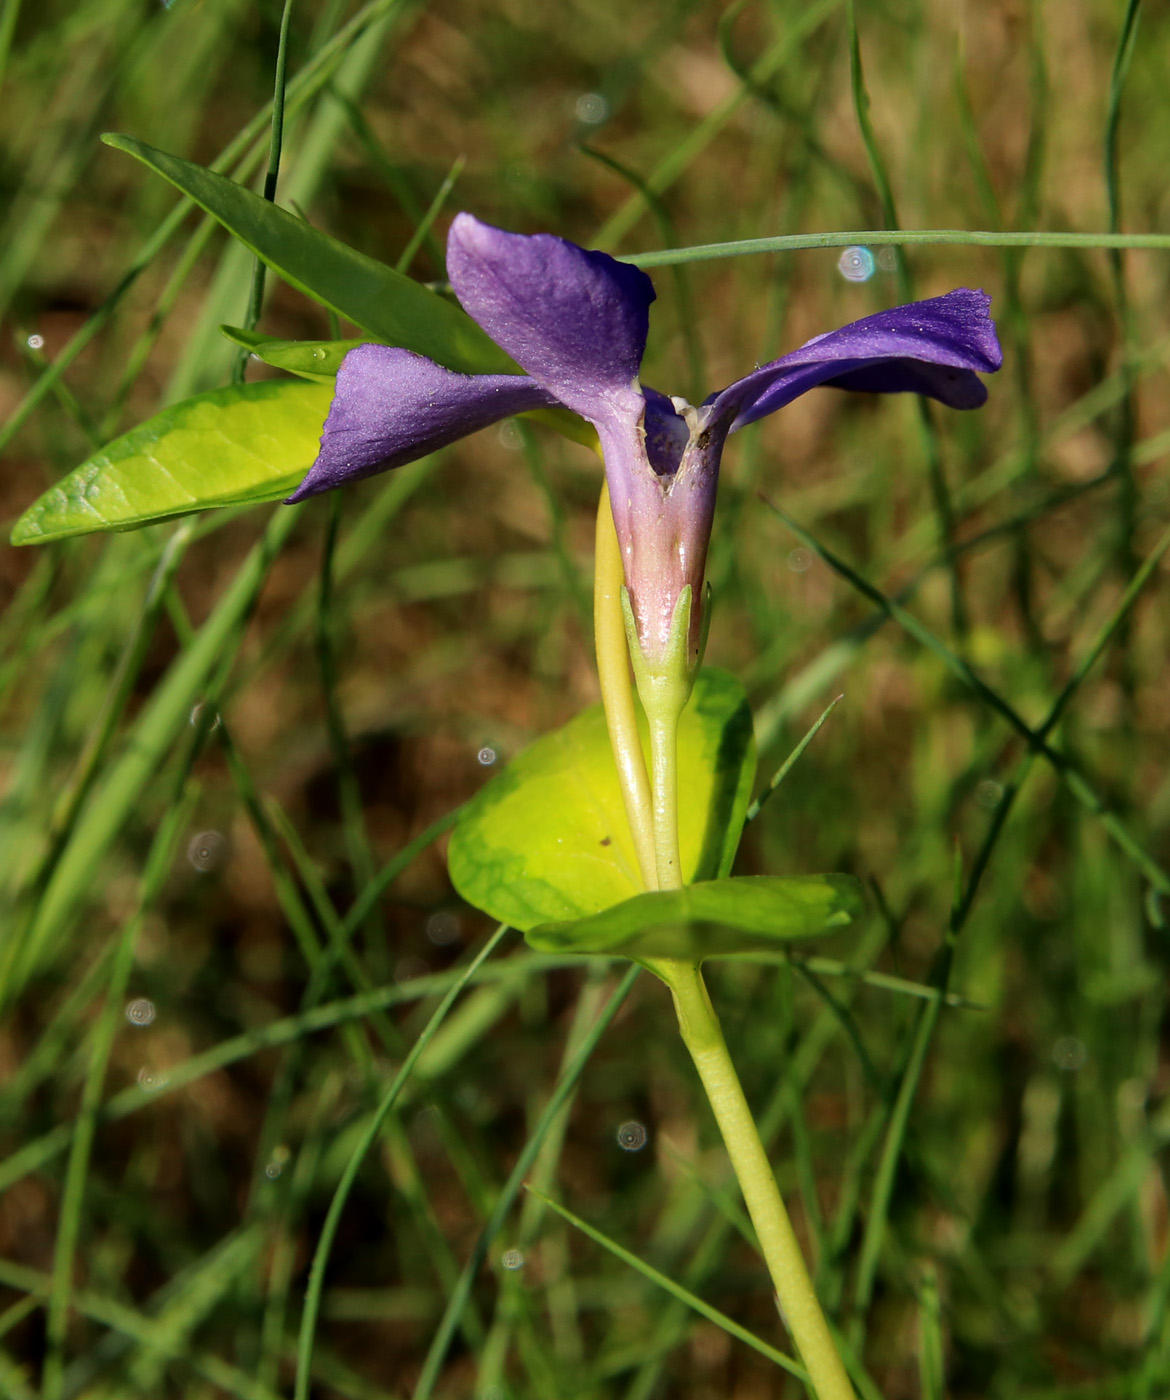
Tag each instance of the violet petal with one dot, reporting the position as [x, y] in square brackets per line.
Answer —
[574, 319]
[392, 406]
[928, 347]
[666, 433]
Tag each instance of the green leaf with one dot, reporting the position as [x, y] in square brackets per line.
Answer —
[715, 919]
[318, 360]
[235, 446]
[547, 839]
[391, 307]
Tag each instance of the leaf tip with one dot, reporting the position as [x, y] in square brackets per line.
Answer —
[26, 530]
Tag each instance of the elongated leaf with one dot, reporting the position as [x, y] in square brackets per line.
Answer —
[669, 1285]
[318, 360]
[234, 446]
[714, 919]
[547, 839]
[391, 307]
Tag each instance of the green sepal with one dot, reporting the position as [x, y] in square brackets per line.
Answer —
[663, 682]
[713, 919]
[547, 839]
[241, 445]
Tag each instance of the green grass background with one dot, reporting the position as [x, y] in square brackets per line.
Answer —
[229, 748]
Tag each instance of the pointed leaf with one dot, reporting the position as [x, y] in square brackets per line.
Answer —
[714, 919]
[547, 839]
[391, 307]
[318, 360]
[235, 446]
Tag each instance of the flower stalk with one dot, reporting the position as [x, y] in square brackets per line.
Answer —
[703, 1037]
[664, 685]
[617, 695]
[664, 784]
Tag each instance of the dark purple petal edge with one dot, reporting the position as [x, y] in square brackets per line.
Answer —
[933, 347]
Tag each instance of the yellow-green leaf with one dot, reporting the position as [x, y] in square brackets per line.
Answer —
[547, 839]
[235, 446]
[714, 919]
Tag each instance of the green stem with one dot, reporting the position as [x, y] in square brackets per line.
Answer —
[617, 695]
[664, 781]
[884, 238]
[664, 685]
[664, 680]
[799, 1307]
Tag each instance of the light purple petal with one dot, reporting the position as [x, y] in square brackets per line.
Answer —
[663, 524]
[575, 320]
[392, 406]
[929, 347]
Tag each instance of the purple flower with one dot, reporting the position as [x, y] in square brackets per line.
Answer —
[576, 322]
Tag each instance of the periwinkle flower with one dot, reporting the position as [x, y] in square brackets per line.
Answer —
[576, 322]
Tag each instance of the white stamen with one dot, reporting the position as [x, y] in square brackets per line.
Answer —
[693, 417]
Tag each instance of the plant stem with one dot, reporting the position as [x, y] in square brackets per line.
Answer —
[664, 681]
[799, 1307]
[617, 694]
[664, 767]
[653, 818]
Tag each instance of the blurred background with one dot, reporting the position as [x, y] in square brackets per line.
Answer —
[212, 742]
